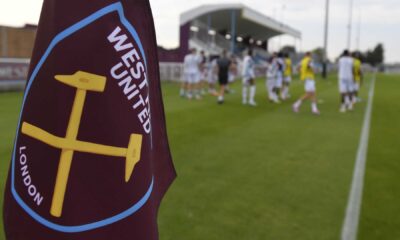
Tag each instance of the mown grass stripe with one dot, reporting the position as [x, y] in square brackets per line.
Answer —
[350, 225]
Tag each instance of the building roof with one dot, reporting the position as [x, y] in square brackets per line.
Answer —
[249, 22]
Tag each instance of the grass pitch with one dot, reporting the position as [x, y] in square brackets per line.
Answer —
[264, 172]
[259, 173]
[10, 104]
[380, 214]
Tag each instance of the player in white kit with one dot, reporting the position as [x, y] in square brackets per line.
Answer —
[279, 75]
[358, 76]
[248, 77]
[184, 85]
[233, 70]
[212, 76]
[203, 71]
[272, 69]
[287, 77]
[307, 75]
[191, 71]
[346, 81]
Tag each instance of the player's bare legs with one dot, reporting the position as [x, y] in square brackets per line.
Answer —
[189, 91]
[308, 95]
[346, 102]
[221, 94]
[197, 90]
[183, 90]
[285, 91]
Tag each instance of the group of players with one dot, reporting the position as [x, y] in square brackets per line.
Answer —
[200, 74]
[350, 79]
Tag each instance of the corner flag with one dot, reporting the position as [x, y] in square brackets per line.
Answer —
[91, 158]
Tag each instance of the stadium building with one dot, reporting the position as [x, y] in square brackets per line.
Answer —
[215, 27]
[234, 27]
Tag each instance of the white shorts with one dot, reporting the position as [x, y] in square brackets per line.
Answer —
[309, 85]
[346, 86]
[279, 82]
[212, 78]
[287, 79]
[192, 78]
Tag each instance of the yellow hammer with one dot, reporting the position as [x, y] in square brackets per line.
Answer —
[83, 82]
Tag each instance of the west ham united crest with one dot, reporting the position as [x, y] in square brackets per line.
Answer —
[85, 134]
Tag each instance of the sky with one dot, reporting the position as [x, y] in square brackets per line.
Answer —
[376, 21]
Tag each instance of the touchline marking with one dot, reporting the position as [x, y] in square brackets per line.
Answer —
[350, 224]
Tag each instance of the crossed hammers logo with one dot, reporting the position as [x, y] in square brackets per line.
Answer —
[83, 82]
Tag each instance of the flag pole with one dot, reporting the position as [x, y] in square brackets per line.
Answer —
[350, 25]
[325, 53]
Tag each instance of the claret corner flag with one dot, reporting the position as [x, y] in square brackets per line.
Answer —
[91, 159]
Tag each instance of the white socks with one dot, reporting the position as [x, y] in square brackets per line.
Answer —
[285, 92]
[252, 93]
[244, 94]
[347, 100]
[314, 107]
[297, 104]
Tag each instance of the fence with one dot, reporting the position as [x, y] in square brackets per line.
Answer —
[13, 73]
[171, 71]
[174, 71]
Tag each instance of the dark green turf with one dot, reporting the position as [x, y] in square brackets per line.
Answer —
[380, 215]
[248, 173]
[9, 110]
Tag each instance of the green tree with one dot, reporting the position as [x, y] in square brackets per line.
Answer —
[376, 56]
[291, 50]
[318, 54]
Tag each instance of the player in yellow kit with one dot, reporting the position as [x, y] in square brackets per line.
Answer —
[358, 76]
[287, 77]
[308, 77]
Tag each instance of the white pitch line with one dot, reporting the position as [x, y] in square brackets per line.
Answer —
[350, 225]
